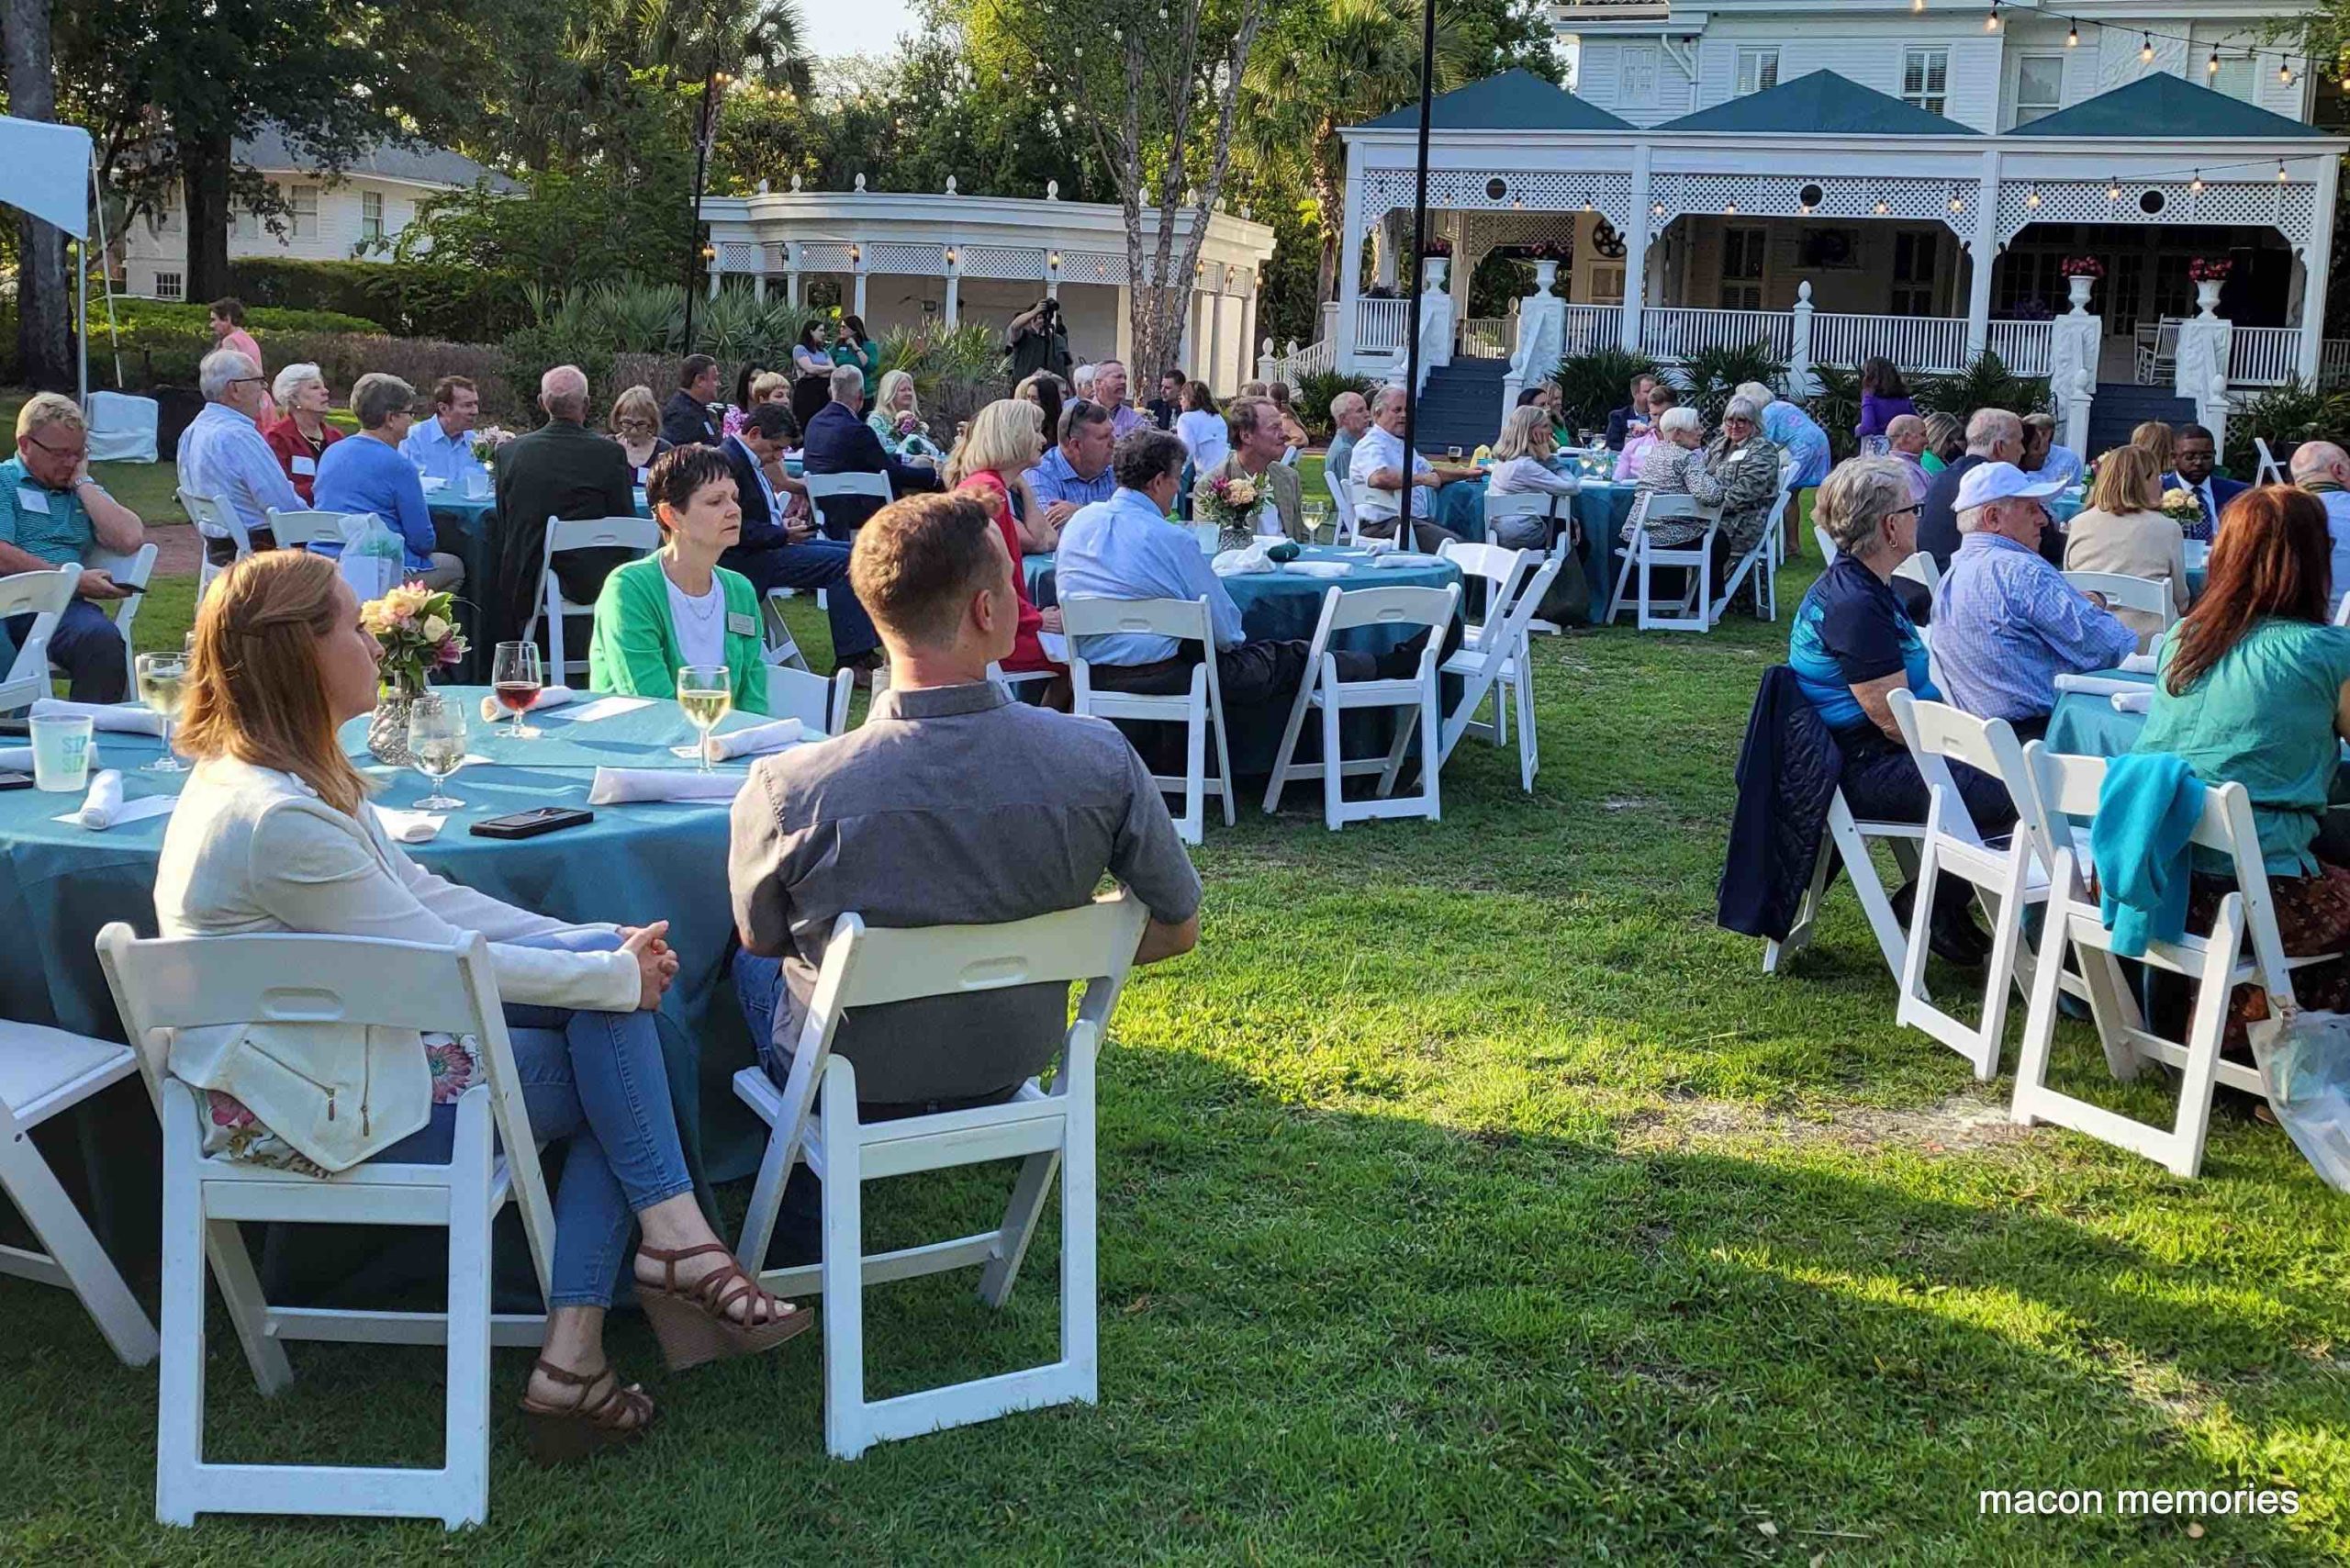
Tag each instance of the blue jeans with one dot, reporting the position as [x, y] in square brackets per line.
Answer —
[598, 1080]
[810, 565]
[86, 646]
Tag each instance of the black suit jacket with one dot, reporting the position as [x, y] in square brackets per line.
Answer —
[686, 422]
[560, 470]
[762, 530]
[838, 441]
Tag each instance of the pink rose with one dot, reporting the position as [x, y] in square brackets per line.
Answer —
[227, 1111]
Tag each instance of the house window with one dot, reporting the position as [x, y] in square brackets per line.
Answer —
[1913, 275]
[170, 286]
[1925, 79]
[371, 215]
[2040, 86]
[1636, 81]
[1607, 283]
[244, 223]
[1757, 69]
[1743, 269]
[302, 202]
[2234, 78]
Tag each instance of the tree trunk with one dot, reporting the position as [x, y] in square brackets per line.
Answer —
[44, 291]
[205, 164]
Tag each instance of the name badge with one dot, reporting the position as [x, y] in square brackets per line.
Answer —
[741, 626]
[30, 499]
[1734, 457]
[308, 468]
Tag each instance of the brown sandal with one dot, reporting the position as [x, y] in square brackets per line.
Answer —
[695, 1322]
[592, 1421]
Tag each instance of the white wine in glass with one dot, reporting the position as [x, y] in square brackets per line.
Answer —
[706, 694]
[436, 738]
[162, 683]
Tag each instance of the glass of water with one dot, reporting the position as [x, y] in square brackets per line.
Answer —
[706, 694]
[162, 681]
[436, 738]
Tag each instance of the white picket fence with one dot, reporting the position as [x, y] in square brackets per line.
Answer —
[1675, 332]
[1382, 326]
[1932, 344]
[1488, 337]
[2022, 346]
[2263, 356]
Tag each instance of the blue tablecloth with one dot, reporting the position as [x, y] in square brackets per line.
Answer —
[1277, 605]
[2084, 724]
[59, 883]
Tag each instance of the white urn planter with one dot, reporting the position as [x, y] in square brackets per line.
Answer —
[2079, 284]
[2207, 298]
[1433, 268]
[1545, 275]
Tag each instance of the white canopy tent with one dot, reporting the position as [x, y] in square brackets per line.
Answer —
[47, 170]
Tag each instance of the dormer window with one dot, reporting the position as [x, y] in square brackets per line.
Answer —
[1758, 70]
[1925, 79]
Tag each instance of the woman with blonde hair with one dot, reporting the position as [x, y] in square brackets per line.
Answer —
[2123, 531]
[2154, 437]
[273, 833]
[636, 425]
[1007, 437]
[1521, 465]
[897, 414]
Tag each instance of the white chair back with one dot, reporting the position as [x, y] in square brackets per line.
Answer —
[1501, 662]
[214, 520]
[1827, 550]
[2270, 471]
[1200, 711]
[1415, 701]
[293, 530]
[1521, 503]
[2149, 596]
[133, 570]
[641, 534]
[823, 488]
[1345, 503]
[2342, 608]
[1919, 568]
[819, 704]
[43, 595]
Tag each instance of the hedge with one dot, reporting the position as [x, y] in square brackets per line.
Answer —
[418, 299]
[168, 314]
[152, 358]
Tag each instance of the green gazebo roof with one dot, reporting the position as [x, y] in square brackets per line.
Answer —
[1819, 102]
[1514, 100]
[2170, 107]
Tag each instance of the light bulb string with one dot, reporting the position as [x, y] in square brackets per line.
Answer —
[2003, 11]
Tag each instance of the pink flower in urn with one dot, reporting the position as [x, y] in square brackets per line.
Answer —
[452, 652]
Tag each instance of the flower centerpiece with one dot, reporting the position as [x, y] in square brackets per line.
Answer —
[1436, 246]
[2081, 267]
[2209, 269]
[487, 439]
[417, 629]
[1230, 501]
[2182, 506]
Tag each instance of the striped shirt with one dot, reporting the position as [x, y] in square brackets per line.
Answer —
[2007, 625]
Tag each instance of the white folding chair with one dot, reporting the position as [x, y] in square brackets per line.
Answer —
[2270, 471]
[869, 966]
[1345, 503]
[1919, 568]
[43, 1072]
[823, 488]
[2148, 594]
[1761, 563]
[1847, 838]
[778, 646]
[2216, 964]
[1498, 567]
[295, 529]
[128, 571]
[2340, 610]
[1695, 558]
[43, 595]
[641, 534]
[1499, 660]
[1415, 698]
[819, 704]
[1199, 709]
[214, 520]
[1827, 550]
[160, 987]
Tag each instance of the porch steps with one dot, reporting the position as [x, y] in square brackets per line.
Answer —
[1462, 407]
[2122, 406]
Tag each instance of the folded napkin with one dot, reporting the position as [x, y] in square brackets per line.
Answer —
[548, 697]
[1242, 562]
[1318, 568]
[609, 708]
[2137, 663]
[756, 739]
[617, 786]
[2099, 685]
[16, 760]
[1366, 543]
[120, 716]
[104, 802]
[409, 827]
[1414, 559]
[2134, 701]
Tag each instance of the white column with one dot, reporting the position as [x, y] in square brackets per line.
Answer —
[1463, 263]
[1986, 250]
[1214, 301]
[792, 281]
[1799, 382]
[954, 290]
[759, 285]
[1382, 254]
[859, 306]
[1350, 259]
[1635, 249]
[1248, 329]
[716, 272]
[2318, 263]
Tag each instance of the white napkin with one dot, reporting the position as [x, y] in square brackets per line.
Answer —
[120, 716]
[2138, 701]
[617, 786]
[1368, 546]
[1242, 562]
[1318, 568]
[609, 708]
[2099, 685]
[104, 802]
[2137, 663]
[409, 827]
[548, 697]
[756, 740]
[17, 759]
[1414, 559]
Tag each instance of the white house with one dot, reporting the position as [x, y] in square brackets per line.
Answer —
[1902, 177]
[899, 259]
[355, 215]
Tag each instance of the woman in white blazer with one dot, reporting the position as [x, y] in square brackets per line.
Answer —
[273, 833]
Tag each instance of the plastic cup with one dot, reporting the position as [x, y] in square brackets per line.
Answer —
[61, 752]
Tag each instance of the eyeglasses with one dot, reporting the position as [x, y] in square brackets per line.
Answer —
[76, 452]
[1916, 506]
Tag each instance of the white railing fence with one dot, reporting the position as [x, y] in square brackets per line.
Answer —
[1297, 362]
[1488, 337]
[1931, 344]
[2263, 356]
[1382, 326]
[2023, 347]
[1589, 328]
[1675, 332]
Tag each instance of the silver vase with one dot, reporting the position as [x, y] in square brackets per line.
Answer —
[387, 729]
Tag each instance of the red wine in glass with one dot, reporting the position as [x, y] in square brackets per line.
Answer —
[515, 696]
[516, 676]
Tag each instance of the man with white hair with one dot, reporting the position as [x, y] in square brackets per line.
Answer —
[2323, 470]
[839, 441]
[1080, 380]
[1905, 440]
[224, 457]
[2006, 622]
[1349, 417]
[1109, 391]
[1993, 435]
[563, 470]
[52, 512]
[1382, 475]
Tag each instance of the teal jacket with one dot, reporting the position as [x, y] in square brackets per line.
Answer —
[2146, 809]
[634, 651]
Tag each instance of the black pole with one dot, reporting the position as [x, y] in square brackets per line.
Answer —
[1405, 539]
[693, 239]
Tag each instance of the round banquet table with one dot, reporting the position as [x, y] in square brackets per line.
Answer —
[1284, 604]
[1600, 508]
[638, 862]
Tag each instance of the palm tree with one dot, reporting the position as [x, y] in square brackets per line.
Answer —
[765, 40]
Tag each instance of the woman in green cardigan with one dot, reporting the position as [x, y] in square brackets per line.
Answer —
[851, 346]
[679, 606]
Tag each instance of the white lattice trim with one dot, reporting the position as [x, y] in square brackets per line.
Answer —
[1499, 190]
[738, 256]
[1093, 267]
[904, 260]
[823, 256]
[1781, 195]
[2286, 207]
[1025, 263]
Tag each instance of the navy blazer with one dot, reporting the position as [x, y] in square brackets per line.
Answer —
[838, 441]
[2223, 490]
[762, 530]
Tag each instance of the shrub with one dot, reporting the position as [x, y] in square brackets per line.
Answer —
[1317, 390]
[1592, 386]
[1986, 384]
[2283, 416]
[1708, 377]
[419, 299]
[190, 315]
[1836, 408]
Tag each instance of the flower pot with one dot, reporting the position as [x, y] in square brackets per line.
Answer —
[2207, 298]
[1432, 269]
[387, 728]
[1545, 275]
[2078, 285]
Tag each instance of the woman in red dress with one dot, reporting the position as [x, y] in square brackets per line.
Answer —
[1004, 442]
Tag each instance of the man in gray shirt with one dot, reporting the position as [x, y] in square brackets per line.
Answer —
[953, 804]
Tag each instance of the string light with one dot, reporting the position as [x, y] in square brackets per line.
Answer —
[2032, 197]
[2072, 39]
[2211, 66]
[1991, 22]
[1916, 5]
[1881, 208]
[1956, 205]
[2145, 49]
[2113, 190]
[2284, 72]
[2195, 185]
[2280, 171]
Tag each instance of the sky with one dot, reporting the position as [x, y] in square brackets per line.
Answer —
[862, 26]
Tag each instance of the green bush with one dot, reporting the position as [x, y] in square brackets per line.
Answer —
[190, 315]
[1986, 384]
[416, 298]
[1836, 408]
[1708, 377]
[1317, 389]
[2283, 416]
[1592, 386]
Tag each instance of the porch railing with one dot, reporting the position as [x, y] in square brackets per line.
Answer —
[1382, 326]
[1933, 344]
[1488, 337]
[1589, 328]
[1673, 332]
[2024, 347]
[2263, 356]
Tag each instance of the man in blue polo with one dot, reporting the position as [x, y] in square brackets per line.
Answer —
[1076, 473]
[52, 512]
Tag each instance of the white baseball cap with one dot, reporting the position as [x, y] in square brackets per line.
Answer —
[1988, 482]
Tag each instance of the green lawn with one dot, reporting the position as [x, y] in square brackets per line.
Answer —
[1468, 1197]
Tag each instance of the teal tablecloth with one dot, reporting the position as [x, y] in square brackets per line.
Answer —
[59, 883]
[2084, 724]
[1601, 508]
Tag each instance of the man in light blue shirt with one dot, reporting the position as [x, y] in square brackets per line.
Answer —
[54, 513]
[2006, 622]
[2323, 470]
[443, 446]
[369, 475]
[223, 457]
[2042, 456]
[1076, 473]
[1126, 548]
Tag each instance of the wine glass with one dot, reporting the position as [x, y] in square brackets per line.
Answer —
[436, 738]
[516, 677]
[1452, 454]
[705, 693]
[163, 679]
